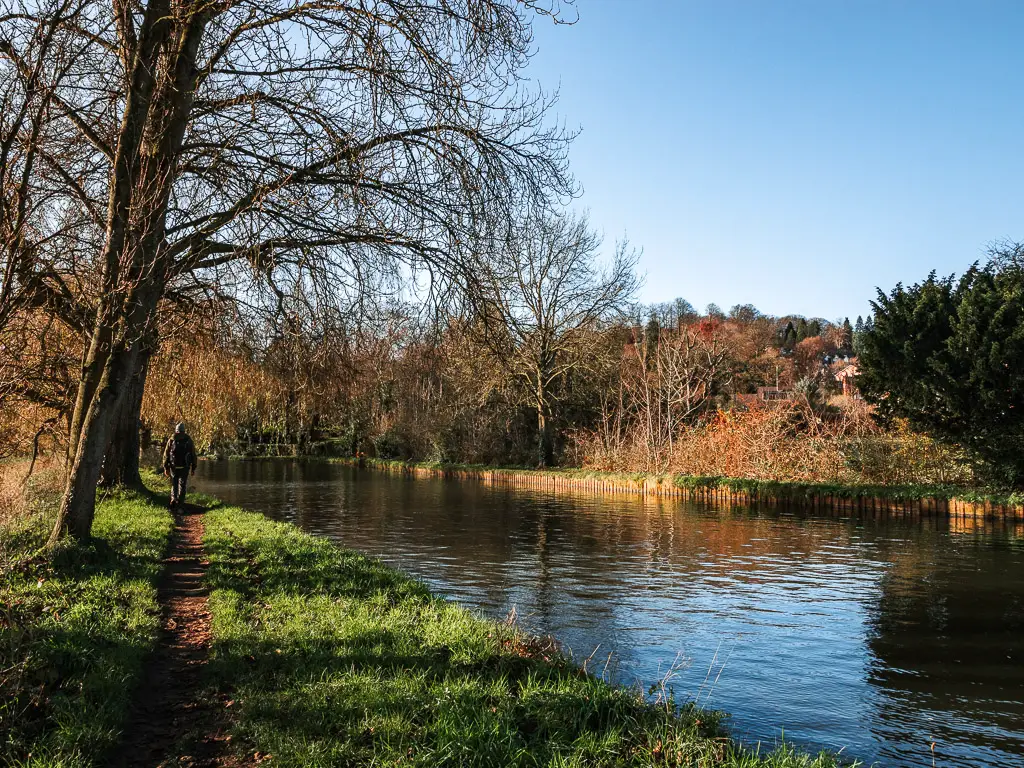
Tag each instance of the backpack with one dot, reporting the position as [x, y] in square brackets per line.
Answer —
[180, 454]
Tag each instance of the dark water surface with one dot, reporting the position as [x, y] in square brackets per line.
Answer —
[875, 637]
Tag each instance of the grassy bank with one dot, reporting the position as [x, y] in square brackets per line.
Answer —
[328, 657]
[334, 659]
[75, 630]
[797, 492]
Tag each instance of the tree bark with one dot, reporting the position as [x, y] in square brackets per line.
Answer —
[152, 35]
[121, 462]
[78, 506]
[545, 439]
[92, 370]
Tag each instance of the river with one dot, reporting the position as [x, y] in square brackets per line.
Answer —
[879, 638]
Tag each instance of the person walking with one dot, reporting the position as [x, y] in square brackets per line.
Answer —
[179, 462]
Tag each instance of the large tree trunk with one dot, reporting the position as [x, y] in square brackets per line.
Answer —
[121, 462]
[152, 35]
[92, 371]
[136, 217]
[78, 506]
[545, 439]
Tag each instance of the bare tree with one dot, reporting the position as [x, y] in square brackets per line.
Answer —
[207, 140]
[666, 383]
[546, 293]
[41, 321]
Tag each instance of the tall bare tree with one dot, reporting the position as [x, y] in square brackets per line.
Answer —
[205, 139]
[546, 293]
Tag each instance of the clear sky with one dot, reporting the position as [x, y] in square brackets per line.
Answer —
[794, 155]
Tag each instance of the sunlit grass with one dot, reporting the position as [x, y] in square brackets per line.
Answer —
[75, 628]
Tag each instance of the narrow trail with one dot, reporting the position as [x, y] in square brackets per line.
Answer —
[171, 724]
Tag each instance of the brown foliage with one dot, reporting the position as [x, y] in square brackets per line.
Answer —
[809, 354]
[38, 357]
[209, 387]
[783, 441]
[24, 498]
[789, 441]
[12, 501]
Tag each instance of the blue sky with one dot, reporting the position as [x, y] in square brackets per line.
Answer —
[794, 155]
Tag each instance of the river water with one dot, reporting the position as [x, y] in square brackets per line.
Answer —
[877, 638]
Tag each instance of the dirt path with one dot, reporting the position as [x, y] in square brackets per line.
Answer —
[171, 724]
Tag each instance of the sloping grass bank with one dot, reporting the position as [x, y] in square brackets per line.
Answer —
[75, 630]
[921, 499]
[335, 659]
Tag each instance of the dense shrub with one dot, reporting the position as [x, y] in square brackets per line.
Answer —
[787, 441]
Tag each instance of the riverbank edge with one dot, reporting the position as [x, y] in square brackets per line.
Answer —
[313, 639]
[288, 647]
[913, 501]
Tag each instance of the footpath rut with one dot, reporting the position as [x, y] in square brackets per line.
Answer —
[171, 723]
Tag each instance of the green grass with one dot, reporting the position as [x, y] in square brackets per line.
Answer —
[74, 631]
[334, 659]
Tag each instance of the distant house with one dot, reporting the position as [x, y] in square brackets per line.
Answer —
[847, 377]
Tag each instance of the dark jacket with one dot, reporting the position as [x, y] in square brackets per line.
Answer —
[184, 454]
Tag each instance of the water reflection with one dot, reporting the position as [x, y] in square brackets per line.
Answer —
[947, 640]
[879, 637]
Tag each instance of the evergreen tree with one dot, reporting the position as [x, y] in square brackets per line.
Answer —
[949, 357]
[846, 337]
[652, 333]
[788, 336]
[801, 330]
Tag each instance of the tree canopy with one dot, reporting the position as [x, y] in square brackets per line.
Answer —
[171, 147]
[948, 355]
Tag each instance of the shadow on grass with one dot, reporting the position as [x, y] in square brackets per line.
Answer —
[70, 699]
